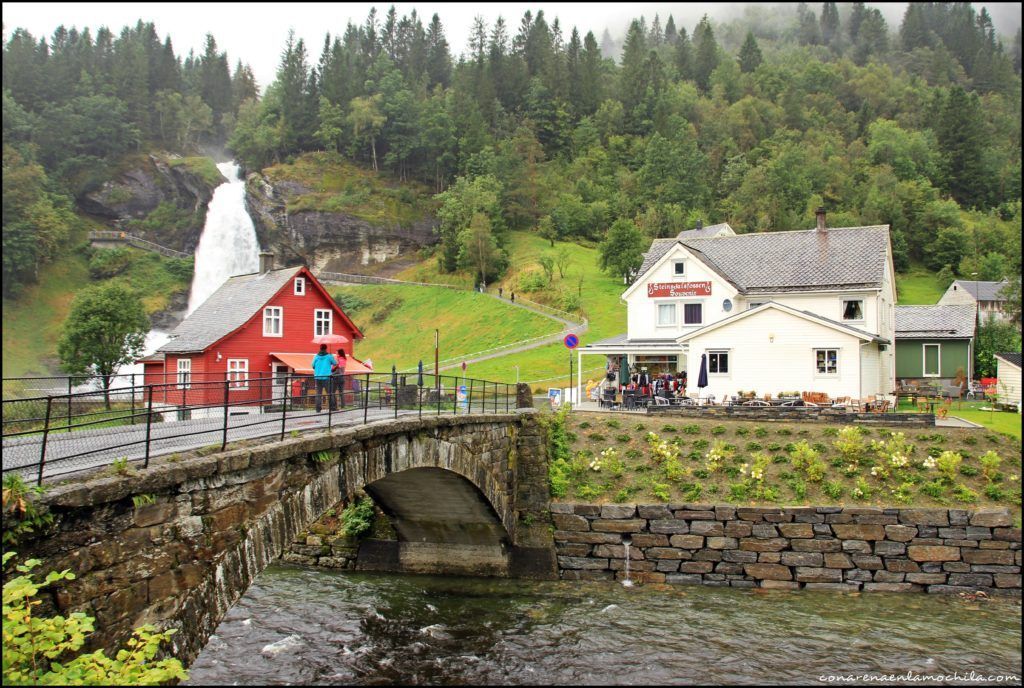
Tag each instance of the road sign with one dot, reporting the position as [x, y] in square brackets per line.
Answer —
[571, 341]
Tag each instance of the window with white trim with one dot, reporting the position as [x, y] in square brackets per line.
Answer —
[932, 354]
[273, 321]
[693, 314]
[826, 361]
[754, 304]
[666, 314]
[184, 373]
[679, 268]
[300, 286]
[853, 309]
[321, 322]
[238, 373]
[718, 363]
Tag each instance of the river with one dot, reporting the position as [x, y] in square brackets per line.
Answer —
[304, 626]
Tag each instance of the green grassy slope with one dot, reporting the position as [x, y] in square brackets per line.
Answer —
[32, 323]
[599, 300]
[918, 286]
[399, 323]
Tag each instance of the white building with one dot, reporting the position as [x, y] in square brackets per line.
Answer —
[806, 311]
[987, 297]
[1008, 389]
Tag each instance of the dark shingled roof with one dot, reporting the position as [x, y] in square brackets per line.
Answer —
[708, 232]
[844, 257]
[952, 321]
[226, 310]
[983, 291]
[1010, 357]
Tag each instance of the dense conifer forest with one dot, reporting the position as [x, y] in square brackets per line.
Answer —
[532, 126]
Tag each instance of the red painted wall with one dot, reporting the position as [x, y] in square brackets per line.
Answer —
[248, 342]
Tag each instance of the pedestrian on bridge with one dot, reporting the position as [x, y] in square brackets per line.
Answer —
[338, 377]
[323, 363]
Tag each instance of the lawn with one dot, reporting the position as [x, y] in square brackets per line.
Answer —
[399, 322]
[612, 458]
[1006, 422]
[918, 286]
[598, 297]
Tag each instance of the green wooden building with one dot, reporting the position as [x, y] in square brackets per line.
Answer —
[935, 343]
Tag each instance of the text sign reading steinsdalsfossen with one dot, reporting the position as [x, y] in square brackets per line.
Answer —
[658, 290]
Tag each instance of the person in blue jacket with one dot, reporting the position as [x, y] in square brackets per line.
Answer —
[322, 364]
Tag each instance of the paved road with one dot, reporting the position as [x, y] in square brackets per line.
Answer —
[69, 452]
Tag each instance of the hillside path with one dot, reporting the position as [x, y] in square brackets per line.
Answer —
[568, 327]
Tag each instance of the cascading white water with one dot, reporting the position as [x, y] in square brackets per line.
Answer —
[228, 245]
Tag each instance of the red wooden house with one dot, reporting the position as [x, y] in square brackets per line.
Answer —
[247, 338]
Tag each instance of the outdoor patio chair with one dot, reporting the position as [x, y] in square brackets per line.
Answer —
[975, 390]
[756, 402]
[880, 406]
[661, 401]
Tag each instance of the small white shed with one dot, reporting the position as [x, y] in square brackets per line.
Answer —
[1008, 372]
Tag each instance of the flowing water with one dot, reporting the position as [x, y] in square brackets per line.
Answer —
[228, 245]
[303, 626]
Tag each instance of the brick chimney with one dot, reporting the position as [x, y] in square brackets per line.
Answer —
[266, 261]
[820, 214]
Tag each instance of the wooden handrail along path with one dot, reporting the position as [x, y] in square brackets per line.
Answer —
[137, 242]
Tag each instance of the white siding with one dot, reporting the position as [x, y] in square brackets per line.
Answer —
[830, 305]
[870, 371]
[1009, 387]
[773, 351]
[642, 310]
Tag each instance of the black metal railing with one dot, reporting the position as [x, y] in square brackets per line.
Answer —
[49, 435]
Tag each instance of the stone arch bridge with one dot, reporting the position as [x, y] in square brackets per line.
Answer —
[179, 543]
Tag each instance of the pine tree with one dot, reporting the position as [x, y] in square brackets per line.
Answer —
[684, 56]
[962, 141]
[439, 59]
[750, 54]
[829, 23]
[631, 81]
[706, 58]
[590, 93]
[671, 35]
[914, 30]
[857, 13]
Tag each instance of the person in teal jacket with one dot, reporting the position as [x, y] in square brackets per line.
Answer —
[322, 364]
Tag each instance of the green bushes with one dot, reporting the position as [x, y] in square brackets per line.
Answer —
[357, 518]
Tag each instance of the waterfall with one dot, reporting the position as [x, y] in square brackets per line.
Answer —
[228, 245]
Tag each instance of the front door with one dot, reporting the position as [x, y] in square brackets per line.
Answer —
[279, 375]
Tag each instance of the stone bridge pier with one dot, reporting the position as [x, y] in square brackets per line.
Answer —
[177, 544]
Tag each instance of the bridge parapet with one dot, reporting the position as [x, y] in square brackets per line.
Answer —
[178, 543]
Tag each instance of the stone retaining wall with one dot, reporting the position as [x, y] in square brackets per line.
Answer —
[833, 548]
[801, 413]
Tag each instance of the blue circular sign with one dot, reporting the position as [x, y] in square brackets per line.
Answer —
[571, 341]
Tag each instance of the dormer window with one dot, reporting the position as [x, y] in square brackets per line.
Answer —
[300, 286]
[679, 268]
[853, 310]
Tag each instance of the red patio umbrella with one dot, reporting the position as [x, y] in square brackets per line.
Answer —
[330, 339]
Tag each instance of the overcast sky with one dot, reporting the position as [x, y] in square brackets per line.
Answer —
[255, 32]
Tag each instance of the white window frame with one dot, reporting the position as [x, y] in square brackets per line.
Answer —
[924, 360]
[267, 315]
[826, 373]
[675, 268]
[317, 320]
[755, 304]
[300, 286]
[675, 314]
[863, 310]
[684, 304]
[184, 377]
[719, 352]
[238, 375]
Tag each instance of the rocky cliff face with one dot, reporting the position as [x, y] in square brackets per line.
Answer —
[135, 193]
[327, 241]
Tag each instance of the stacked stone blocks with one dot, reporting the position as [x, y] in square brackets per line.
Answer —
[825, 548]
